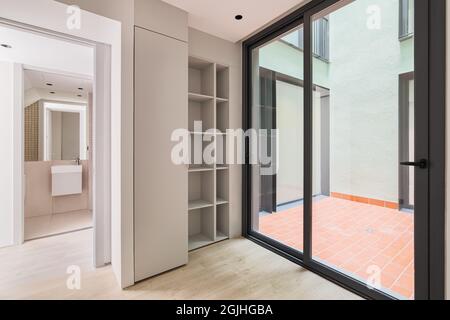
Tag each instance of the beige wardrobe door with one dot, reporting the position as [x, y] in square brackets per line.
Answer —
[161, 187]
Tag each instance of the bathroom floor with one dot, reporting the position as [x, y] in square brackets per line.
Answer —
[43, 226]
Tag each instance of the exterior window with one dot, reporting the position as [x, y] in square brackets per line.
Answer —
[406, 18]
[321, 39]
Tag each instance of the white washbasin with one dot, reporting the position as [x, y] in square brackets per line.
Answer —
[66, 180]
[67, 169]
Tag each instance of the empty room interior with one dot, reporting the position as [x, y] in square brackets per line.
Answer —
[224, 150]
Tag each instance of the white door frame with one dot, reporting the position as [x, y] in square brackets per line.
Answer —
[101, 155]
[44, 17]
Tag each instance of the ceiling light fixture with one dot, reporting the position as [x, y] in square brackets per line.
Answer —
[7, 46]
[238, 17]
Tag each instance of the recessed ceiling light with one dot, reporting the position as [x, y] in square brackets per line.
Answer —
[238, 17]
[7, 46]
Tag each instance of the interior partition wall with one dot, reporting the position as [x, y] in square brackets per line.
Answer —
[348, 102]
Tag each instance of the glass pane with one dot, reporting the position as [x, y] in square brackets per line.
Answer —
[277, 114]
[362, 225]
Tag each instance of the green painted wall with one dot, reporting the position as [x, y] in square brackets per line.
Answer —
[363, 78]
[284, 58]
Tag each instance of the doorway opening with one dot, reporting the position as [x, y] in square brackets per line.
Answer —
[58, 112]
[60, 119]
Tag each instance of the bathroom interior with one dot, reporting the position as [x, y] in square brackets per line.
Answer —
[57, 153]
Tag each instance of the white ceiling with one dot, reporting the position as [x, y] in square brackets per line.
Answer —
[46, 52]
[216, 17]
[60, 83]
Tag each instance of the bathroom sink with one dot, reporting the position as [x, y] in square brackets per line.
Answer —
[67, 169]
[66, 180]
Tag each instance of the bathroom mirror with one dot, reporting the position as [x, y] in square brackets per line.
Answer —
[65, 135]
[56, 131]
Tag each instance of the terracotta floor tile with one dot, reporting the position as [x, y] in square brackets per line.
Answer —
[352, 236]
[405, 292]
[405, 281]
[387, 281]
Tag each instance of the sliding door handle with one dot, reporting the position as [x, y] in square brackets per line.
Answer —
[422, 164]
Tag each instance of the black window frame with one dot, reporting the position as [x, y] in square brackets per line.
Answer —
[404, 23]
[321, 43]
[430, 86]
[403, 139]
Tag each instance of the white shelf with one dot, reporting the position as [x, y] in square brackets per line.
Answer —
[220, 201]
[197, 97]
[198, 240]
[200, 169]
[199, 204]
[221, 100]
[220, 236]
[202, 133]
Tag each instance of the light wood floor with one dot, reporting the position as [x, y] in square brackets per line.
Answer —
[53, 224]
[235, 269]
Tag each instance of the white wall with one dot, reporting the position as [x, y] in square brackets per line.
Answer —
[364, 110]
[123, 11]
[290, 155]
[53, 54]
[12, 154]
[289, 119]
[7, 147]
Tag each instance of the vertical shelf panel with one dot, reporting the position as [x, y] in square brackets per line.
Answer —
[222, 172]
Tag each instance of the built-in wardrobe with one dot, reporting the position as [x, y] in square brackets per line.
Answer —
[177, 208]
[161, 106]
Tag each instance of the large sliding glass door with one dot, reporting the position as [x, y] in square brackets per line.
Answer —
[342, 179]
[277, 113]
[359, 227]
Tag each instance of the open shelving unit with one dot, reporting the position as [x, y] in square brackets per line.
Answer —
[208, 208]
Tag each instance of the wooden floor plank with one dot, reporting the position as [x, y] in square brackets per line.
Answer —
[233, 269]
